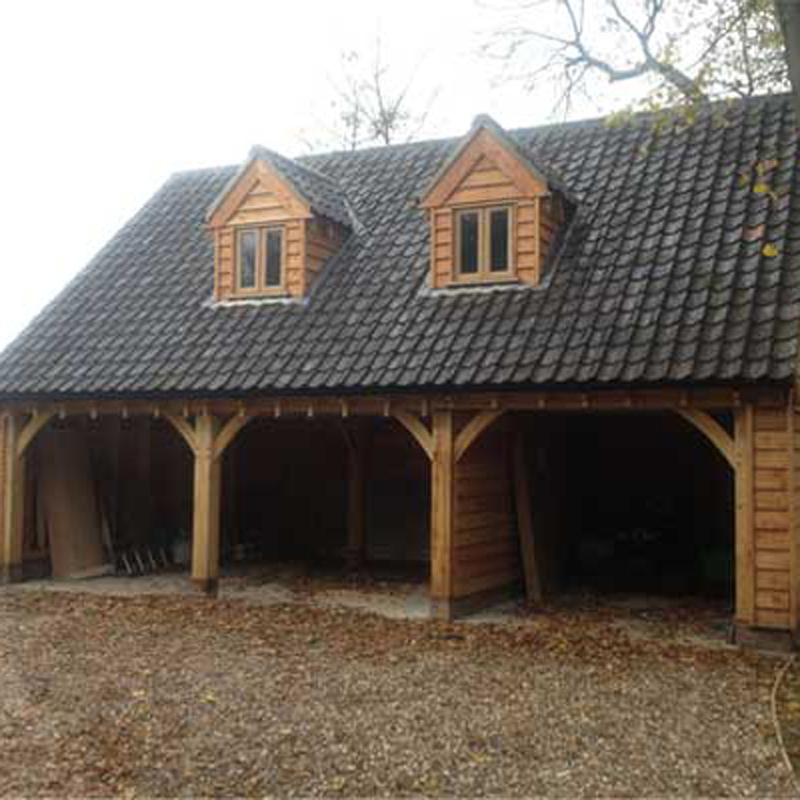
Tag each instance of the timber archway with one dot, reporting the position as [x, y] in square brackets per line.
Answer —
[762, 454]
[714, 432]
[207, 438]
[465, 439]
[471, 521]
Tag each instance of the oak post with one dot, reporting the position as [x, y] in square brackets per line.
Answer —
[356, 539]
[206, 522]
[442, 514]
[12, 485]
[527, 539]
[745, 533]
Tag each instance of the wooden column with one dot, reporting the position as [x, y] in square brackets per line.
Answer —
[744, 547]
[144, 470]
[356, 539]
[12, 499]
[206, 522]
[442, 514]
[527, 540]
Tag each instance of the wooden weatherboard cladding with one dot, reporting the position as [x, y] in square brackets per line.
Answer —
[770, 443]
[486, 552]
[488, 181]
[768, 447]
[262, 207]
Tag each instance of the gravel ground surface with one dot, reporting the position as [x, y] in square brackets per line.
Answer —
[176, 695]
[787, 703]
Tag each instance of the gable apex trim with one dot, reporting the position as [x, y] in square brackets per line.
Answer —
[503, 151]
[234, 192]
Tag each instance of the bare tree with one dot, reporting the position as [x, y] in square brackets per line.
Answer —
[688, 51]
[789, 16]
[369, 105]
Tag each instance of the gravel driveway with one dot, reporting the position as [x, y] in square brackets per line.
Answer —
[185, 696]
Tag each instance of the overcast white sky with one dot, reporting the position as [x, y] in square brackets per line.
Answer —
[101, 101]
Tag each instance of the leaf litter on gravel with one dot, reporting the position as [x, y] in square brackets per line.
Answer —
[175, 695]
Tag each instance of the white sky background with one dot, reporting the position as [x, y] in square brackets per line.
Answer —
[101, 101]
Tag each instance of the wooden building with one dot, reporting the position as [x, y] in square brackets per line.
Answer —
[457, 353]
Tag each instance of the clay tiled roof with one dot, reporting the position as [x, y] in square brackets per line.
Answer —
[677, 268]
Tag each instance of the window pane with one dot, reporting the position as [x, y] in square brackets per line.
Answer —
[498, 225]
[274, 247]
[248, 241]
[468, 243]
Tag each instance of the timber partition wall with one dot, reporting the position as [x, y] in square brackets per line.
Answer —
[468, 468]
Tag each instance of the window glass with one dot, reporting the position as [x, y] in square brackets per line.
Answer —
[272, 276]
[468, 242]
[248, 243]
[498, 239]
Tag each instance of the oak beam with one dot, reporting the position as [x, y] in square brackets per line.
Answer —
[184, 428]
[228, 433]
[206, 515]
[472, 430]
[417, 429]
[713, 431]
[663, 399]
[28, 433]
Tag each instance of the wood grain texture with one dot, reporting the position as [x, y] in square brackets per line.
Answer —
[485, 174]
[356, 480]
[70, 504]
[486, 545]
[262, 190]
[766, 445]
[13, 490]
[261, 198]
[713, 431]
[31, 429]
[442, 510]
[416, 427]
[527, 541]
[484, 153]
[323, 240]
[745, 550]
[206, 510]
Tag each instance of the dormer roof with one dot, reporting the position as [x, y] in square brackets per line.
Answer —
[533, 176]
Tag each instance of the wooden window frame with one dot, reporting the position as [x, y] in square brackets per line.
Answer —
[261, 289]
[484, 274]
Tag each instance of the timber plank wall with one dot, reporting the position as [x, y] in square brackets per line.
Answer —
[486, 545]
[775, 445]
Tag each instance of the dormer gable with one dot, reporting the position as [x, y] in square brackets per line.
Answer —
[274, 226]
[494, 213]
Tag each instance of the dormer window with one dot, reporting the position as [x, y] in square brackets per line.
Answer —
[484, 244]
[275, 224]
[494, 214]
[260, 260]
